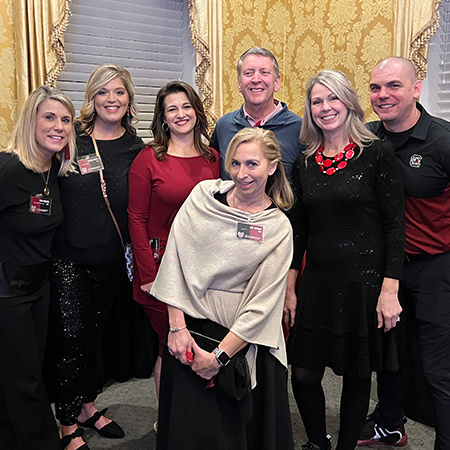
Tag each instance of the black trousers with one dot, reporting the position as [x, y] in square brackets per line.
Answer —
[425, 289]
[26, 419]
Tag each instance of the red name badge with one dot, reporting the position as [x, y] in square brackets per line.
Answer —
[89, 163]
[251, 232]
[40, 205]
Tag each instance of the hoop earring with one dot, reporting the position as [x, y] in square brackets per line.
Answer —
[165, 127]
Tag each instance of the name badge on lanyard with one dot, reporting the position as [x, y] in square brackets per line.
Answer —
[40, 205]
[90, 163]
[251, 232]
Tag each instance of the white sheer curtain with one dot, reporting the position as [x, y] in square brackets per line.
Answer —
[436, 86]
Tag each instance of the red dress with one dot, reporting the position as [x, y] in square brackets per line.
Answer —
[157, 189]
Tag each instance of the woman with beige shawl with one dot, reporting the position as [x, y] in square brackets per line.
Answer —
[223, 277]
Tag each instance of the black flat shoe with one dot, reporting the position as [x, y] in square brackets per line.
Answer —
[112, 430]
[65, 440]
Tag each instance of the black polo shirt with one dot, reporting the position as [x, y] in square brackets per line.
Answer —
[423, 155]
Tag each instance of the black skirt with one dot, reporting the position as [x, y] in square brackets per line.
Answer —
[193, 416]
[336, 326]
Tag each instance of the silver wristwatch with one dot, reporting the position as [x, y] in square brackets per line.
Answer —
[222, 358]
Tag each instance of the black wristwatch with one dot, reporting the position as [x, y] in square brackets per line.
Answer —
[222, 358]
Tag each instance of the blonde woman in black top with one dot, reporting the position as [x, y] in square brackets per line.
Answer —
[41, 148]
[89, 263]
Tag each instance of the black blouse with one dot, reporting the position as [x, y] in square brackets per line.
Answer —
[88, 235]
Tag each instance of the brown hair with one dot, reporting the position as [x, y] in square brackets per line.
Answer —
[161, 137]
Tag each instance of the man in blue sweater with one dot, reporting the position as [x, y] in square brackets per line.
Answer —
[258, 80]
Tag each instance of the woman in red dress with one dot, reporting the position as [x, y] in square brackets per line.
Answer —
[160, 179]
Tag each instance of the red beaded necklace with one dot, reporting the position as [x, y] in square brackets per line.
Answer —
[329, 166]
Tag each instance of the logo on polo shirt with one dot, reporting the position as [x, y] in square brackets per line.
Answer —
[415, 161]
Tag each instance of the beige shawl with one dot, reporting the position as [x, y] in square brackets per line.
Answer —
[208, 272]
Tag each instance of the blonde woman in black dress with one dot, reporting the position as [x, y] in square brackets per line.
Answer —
[349, 218]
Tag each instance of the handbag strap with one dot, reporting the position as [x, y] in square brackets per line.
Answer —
[105, 195]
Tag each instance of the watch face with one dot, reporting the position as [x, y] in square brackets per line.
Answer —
[223, 358]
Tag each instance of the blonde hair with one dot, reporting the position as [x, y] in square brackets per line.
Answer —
[100, 77]
[311, 134]
[23, 138]
[277, 187]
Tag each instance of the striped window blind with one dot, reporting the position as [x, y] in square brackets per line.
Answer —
[436, 87]
[150, 38]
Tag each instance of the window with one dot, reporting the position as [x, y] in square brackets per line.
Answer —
[150, 38]
[436, 87]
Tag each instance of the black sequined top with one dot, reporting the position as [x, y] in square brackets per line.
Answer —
[352, 222]
[351, 225]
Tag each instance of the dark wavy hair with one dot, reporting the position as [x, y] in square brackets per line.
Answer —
[161, 138]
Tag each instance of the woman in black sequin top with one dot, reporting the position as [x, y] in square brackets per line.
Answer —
[349, 219]
[89, 262]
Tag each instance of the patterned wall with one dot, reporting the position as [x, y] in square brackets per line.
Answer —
[7, 73]
[306, 36]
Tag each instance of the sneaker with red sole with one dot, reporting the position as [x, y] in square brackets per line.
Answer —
[373, 434]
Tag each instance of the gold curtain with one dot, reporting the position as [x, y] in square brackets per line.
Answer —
[206, 35]
[415, 23]
[31, 52]
[7, 73]
[39, 27]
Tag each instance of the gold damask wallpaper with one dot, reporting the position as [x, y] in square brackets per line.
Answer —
[306, 36]
[7, 72]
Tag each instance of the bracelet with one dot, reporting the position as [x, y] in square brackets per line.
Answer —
[175, 330]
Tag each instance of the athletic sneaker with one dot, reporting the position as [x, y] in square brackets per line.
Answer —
[373, 434]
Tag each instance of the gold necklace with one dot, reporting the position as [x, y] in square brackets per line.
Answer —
[46, 189]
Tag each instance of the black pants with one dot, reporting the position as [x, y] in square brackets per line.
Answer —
[426, 289]
[81, 298]
[26, 419]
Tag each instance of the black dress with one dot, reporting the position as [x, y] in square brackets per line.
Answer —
[351, 225]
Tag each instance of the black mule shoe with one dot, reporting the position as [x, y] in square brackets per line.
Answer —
[65, 440]
[112, 430]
